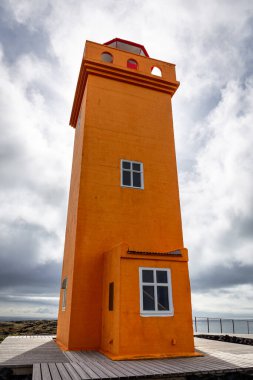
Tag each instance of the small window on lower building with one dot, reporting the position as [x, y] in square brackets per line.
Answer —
[64, 293]
[155, 292]
[132, 174]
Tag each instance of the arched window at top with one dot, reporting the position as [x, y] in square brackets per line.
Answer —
[107, 57]
[132, 64]
[156, 71]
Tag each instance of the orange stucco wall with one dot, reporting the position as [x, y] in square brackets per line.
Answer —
[121, 120]
[64, 317]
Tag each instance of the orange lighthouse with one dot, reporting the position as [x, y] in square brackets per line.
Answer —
[125, 283]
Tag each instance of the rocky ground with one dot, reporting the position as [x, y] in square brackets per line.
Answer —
[227, 338]
[43, 327]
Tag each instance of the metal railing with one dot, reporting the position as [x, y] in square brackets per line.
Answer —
[222, 325]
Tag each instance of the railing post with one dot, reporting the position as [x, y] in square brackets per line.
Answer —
[248, 326]
[196, 328]
[220, 325]
[233, 324]
[208, 329]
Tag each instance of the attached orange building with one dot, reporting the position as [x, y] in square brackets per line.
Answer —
[125, 283]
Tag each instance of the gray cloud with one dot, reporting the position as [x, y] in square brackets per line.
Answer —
[39, 301]
[22, 269]
[18, 39]
[222, 277]
[239, 231]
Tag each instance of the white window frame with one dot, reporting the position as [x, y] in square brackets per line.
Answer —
[64, 294]
[156, 312]
[132, 171]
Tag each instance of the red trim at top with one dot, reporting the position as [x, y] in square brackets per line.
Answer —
[129, 43]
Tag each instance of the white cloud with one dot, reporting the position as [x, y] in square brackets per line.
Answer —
[234, 302]
[34, 183]
[219, 193]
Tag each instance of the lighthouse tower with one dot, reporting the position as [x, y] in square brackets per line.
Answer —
[125, 286]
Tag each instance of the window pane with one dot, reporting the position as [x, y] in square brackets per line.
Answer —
[136, 179]
[148, 298]
[126, 178]
[137, 167]
[132, 64]
[147, 276]
[64, 298]
[163, 297]
[161, 276]
[107, 57]
[126, 165]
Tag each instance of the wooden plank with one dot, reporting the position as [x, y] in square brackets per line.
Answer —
[212, 363]
[167, 365]
[45, 372]
[111, 374]
[63, 372]
[87, 356]
[89, 366]
[71, 355]
[36, 372]
[69, 367]
[54, 371]
[80, 371]
[189, 365]
[145, 368]
[180, 365]
[136, 368]
[120, 370]
[17, 350]
[100, 366]
[152, 367]
[112, 366]
[99, 356]
[82, 357]
[126, 366]
[90, 371]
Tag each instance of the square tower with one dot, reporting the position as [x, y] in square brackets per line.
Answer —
[125, 283]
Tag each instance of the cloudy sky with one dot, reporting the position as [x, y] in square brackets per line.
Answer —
[41, 47]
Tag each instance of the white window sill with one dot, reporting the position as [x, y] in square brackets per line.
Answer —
[169, 314]
[133, 187]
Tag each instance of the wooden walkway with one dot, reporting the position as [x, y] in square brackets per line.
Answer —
[26, 350]
[49, 363]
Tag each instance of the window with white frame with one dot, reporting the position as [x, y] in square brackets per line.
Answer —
[64, 293]
[132, 174]
[155, 292]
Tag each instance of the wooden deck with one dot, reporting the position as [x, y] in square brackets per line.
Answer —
[50, 363]
[26, 350]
